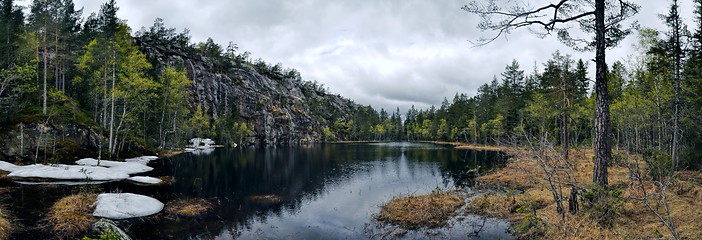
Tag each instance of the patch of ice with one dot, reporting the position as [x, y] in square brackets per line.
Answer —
[125, 205]
[143, 159]
[145, 180]
[68, 172]
[125, 167]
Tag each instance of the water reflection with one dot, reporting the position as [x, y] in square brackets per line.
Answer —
[318, 191]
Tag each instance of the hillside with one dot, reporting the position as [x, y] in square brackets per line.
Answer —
[282, 109]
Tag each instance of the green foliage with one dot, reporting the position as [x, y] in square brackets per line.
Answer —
[199, 124]
[327, 134]
[603, 204]
[532, 226]
[660, 165]
[174, 90]
[106, 235]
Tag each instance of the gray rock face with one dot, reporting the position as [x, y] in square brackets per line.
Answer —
[282, 110]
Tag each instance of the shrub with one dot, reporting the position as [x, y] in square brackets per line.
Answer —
[604, 204]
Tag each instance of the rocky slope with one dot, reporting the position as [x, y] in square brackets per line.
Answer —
[283, 111]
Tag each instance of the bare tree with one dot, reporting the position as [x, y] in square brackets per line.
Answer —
[607, 16]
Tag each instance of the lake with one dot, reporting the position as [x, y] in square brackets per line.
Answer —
[321, 191]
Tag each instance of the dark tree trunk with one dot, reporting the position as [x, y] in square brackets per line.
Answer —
[678, 63]
[603, 149]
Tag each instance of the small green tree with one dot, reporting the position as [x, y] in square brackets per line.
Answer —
[199, 123]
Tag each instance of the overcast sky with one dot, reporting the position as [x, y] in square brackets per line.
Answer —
[386, 53]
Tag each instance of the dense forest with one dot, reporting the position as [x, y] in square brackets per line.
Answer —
[94, 72]
[121, 92]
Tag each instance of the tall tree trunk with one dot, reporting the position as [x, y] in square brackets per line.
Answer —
[112, 101]
[63, 76]
[602, 144]
[564, 124]
[161, 131]
[56, 60]
[676, 117]
[45, 69]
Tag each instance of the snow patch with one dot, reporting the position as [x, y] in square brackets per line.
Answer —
[67, 172]
[126, 205]
[125, 167]
[65, 183]
[7, 167]
[145, 180]
[143, 159]
[201, 143]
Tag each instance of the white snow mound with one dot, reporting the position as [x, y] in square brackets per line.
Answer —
[125, 205]
[143, 159]
[145, 180]
[7, 167]
[67, 172]
[125, 167]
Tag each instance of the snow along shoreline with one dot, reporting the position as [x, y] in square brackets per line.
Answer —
[87, 169]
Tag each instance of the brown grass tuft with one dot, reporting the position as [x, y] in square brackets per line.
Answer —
[413, 212]
[169, 153]
[72, 215]
[5, 225]
[188, 207]
[166, 181]
[266, 199]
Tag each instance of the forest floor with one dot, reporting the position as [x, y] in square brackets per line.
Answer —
[526, 200]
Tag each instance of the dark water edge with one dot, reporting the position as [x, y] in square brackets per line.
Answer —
[326, 191]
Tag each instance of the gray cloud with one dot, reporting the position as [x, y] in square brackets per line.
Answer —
[385, 53]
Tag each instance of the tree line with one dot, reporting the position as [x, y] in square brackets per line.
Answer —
[58, 67]
[654, 97]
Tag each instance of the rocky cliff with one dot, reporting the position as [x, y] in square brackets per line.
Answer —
[283, 110]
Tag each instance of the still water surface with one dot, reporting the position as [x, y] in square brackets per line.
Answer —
[324, 191]
[328, 191]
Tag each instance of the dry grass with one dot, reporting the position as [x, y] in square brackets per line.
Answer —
[633, 221]
[188, 207]
[166, 181]
[5, 225]
[413, 212]
[266, 199]
[72, 215]
[169, 153]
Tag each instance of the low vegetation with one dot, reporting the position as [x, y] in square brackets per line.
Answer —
[166, 181]
[188, 207]
[419, 211]
[266, 199]
[526, 199]
[5, 225]
[72, 215]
